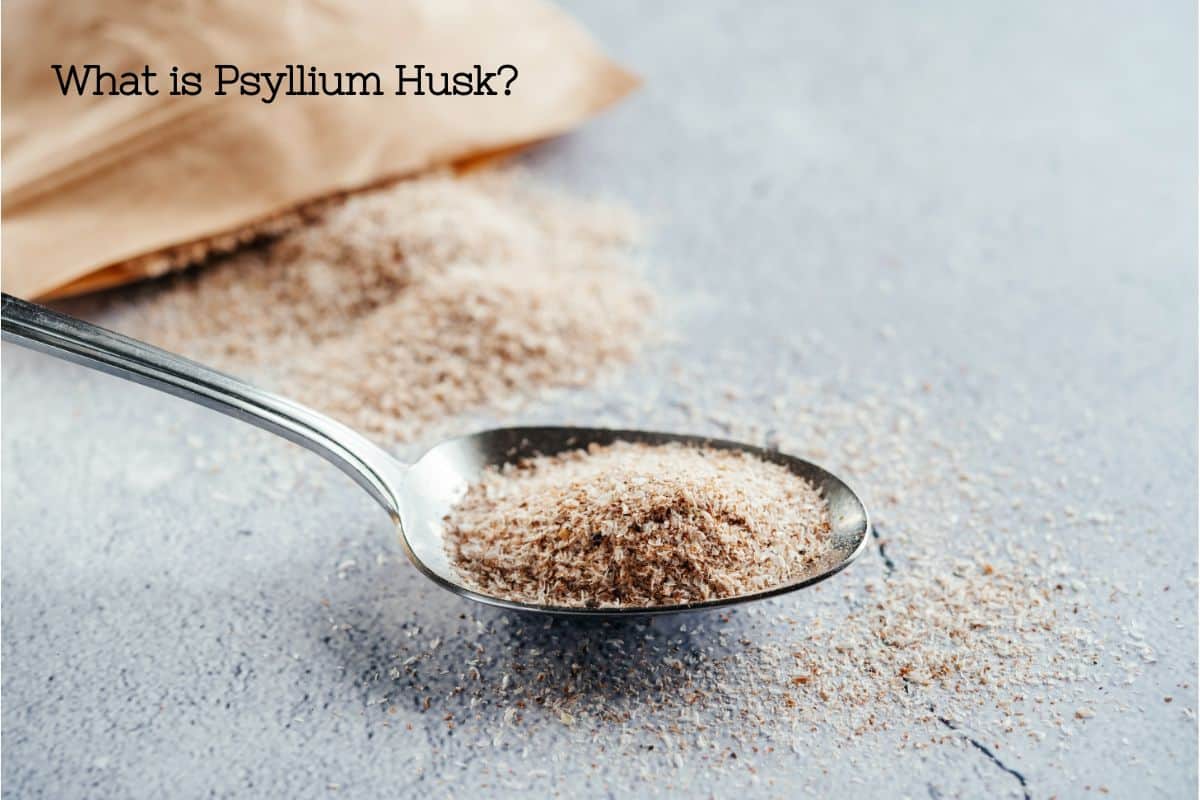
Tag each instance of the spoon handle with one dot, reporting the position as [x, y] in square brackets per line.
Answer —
[74, 340]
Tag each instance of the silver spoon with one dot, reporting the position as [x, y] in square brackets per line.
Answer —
[417, 496]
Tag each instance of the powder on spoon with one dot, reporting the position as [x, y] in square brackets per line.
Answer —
[637, 525]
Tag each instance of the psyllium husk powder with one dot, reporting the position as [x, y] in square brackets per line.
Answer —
[637, 525]
[412, 303]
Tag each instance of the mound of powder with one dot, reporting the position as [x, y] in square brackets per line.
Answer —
[425, 299]
[638, 525]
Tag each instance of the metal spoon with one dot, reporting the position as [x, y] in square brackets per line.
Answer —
[417, 496]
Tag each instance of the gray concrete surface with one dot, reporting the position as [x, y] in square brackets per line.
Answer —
[1009, 189]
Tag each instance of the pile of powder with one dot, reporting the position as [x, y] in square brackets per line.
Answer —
[425, 299]
[637, 525]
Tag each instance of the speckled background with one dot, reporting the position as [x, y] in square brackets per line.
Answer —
[999, 201]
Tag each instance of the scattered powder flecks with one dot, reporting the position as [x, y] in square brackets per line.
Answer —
[416, 302]
[640, 525]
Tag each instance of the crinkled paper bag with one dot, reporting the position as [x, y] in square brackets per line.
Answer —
[102, 190]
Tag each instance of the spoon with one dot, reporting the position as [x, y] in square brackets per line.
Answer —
[417, 496]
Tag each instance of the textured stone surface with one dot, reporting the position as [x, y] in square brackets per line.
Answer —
[192, 608]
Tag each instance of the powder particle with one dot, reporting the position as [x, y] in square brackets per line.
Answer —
[637, 525]
[410, 304]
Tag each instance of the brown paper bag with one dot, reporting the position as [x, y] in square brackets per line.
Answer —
[102, 190]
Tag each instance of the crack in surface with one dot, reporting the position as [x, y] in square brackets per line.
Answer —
[890, 565]
[879, 544]
[981, 747]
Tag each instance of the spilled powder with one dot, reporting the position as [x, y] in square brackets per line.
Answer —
[637, 525]
[419, 301]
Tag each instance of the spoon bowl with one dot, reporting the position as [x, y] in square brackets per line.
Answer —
[439, 479]
[419, 496]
